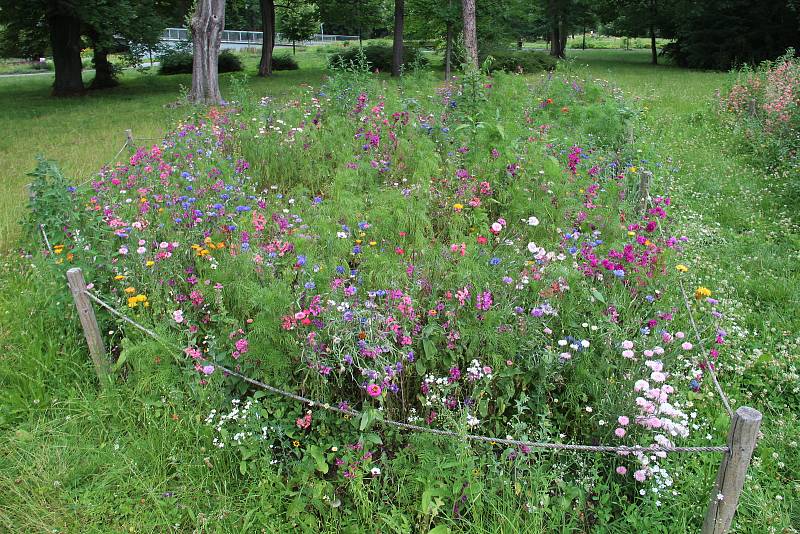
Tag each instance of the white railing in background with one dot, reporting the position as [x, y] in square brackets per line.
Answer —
[242, 37]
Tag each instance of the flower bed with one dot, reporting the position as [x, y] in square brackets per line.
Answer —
[465, 257]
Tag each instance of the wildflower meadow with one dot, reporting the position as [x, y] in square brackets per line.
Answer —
[525, 257]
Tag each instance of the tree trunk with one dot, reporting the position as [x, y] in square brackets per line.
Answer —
[268, 42]
[65, 38]
[104, 76]
[448, 52]
[653, 45]
[470, 32]
[556, 38]
[583, 46]
[206, 24]
[397, 44]
[653, 19]
[294, 49]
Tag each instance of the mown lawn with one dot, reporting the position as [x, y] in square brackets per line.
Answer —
[71, 459]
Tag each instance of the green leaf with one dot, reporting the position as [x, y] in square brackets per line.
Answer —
[598, 296]
[440, 529]
[319, 458]
[429, 348]
[120, 362]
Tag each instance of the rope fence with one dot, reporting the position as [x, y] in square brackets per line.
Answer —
[723, 499]
[409, 426]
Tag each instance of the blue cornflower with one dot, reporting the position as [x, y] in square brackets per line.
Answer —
[495, 261]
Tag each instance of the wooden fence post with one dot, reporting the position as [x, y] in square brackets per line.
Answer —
[644, 191]
[129, 138]
[731, 475]
[97, 349]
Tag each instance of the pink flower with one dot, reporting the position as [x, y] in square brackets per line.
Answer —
[628, 354]
[621, 470]
[208, 369]
[374, 390]
[686, 345]
[658, 376]
[640, 475]
[619, 432]
[627, 344]
[177, 316]
[623, 420]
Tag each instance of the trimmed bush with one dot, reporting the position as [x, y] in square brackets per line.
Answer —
[284, 62]
[521, 60]
[180, 62]
[380, 57]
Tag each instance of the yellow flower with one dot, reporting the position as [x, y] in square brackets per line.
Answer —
[130, 290]
[119, 277]
[458, 207]
[358, 241]
[702, 292]
[682, 268]
[150, 263]
[633, 169]
[630, 233]
[296, 443]
[373, 243]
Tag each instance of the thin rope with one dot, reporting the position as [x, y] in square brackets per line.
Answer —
[46, 241]
[114, 160]
[724, 398]
[416, 428]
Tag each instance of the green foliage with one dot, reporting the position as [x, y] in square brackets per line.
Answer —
[180, 62]
[284, 62]
[379, 57]
[299, 21]
[723, 35]
[520, 61]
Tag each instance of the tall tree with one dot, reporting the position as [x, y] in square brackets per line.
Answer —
[207, 23]
[109, 26]
[268, 39]
[438, 20]
[397, 43]
[64, 24]
[365, 18]
[470, 32]
[298, 21]
[638, 18]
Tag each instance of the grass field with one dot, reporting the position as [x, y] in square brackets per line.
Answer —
[73, 460]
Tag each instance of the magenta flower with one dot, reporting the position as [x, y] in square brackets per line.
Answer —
[374, 390]
[208, 369]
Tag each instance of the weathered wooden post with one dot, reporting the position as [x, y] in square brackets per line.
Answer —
[731, 475]
[644, 191]
[129, 138]
[97, 349]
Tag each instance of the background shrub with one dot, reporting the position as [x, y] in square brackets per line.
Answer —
[521, 60]
[180, 62]
[380, 56]
[284, 62]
